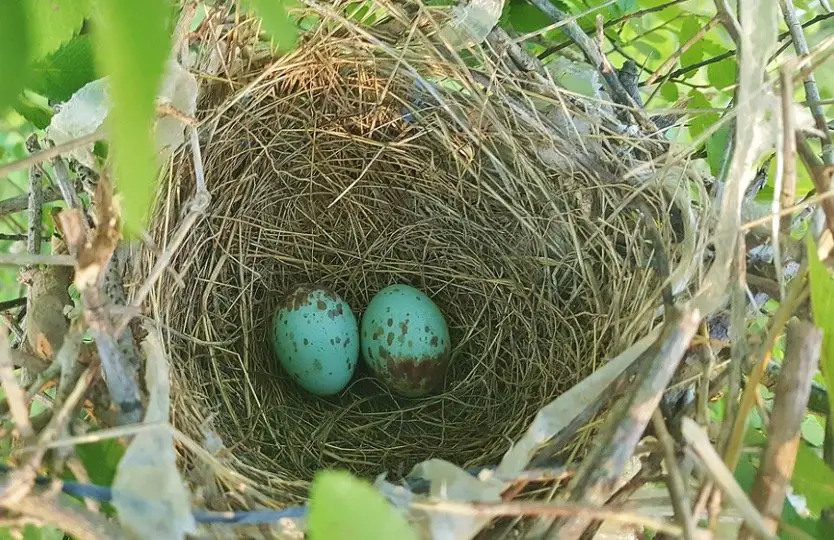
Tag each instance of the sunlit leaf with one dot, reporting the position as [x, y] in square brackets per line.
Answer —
[343, 507]
[14, 52]
[62, 73]
[525, 17]
[717, 147]
[35, 113]
[54, 22]
[132, 43]
[101, 459]
[813, 479]
[277, 21]
[670, 92]
[723, 74]
[821, 282]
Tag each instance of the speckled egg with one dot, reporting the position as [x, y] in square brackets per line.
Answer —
[405, 340]
[316, 339]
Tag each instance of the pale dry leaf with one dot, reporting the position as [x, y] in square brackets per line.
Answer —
[472, 21]
[87, 110]
[149, 493]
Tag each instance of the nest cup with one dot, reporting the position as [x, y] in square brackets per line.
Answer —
[334, 165]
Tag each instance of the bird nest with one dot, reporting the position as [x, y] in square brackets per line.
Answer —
[356, 163]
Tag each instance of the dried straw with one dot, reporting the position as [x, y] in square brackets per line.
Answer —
[330, 166]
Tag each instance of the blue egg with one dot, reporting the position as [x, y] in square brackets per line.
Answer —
[316, 339]
[405, 340]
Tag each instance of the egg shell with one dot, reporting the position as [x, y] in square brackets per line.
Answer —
[405, 340]
[316, 339]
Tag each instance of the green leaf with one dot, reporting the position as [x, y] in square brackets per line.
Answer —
[54, 22]
[700, 120]
[693, 55]
[277, 22]
[343, 507]
[813, 479]
[670, 92]
[746, 474]
[525, 17]
[821, 284]
[132, 44]
[35, 113]
[62, 73]
[723, 74]
[101, 459]
[33, 532]
[14, 52]
[716, 148]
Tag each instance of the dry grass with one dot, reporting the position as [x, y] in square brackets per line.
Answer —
[514, 226]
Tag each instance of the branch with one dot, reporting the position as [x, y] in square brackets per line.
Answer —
[722, 476]
[23, 259]
[49, 153]
[21, 202]
[820, 176]
[95, 258]
[595, 57]
[698, 36]
[625, 424]
[728, 20]
[674, 480]
[802, 352]
[812, 94]
[787, 194]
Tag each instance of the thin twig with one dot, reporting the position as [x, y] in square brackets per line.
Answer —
[21, 202]
[820, 176]
[49, 153]
[802, 352]
[11, 304]
[674, 479]
[796, 294]
[698, 36]
[62, 178]
[788, 192]
[812, 93]
[728, 20]
[722, 476]
[15, 396]
[33, 242]
[595, 58]
[519, 508]
[626, 423]
[23, 259]
[196, 209]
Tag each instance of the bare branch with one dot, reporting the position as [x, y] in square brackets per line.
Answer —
[15, 396]
[627, 422]
[788, 192]
[595, 58]
[23, 259]
[812, 93]
[802, 352]
[21, 203]
[675, 480]
[49, 153]
[586, 511]
[728, 20]
[722, 476]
